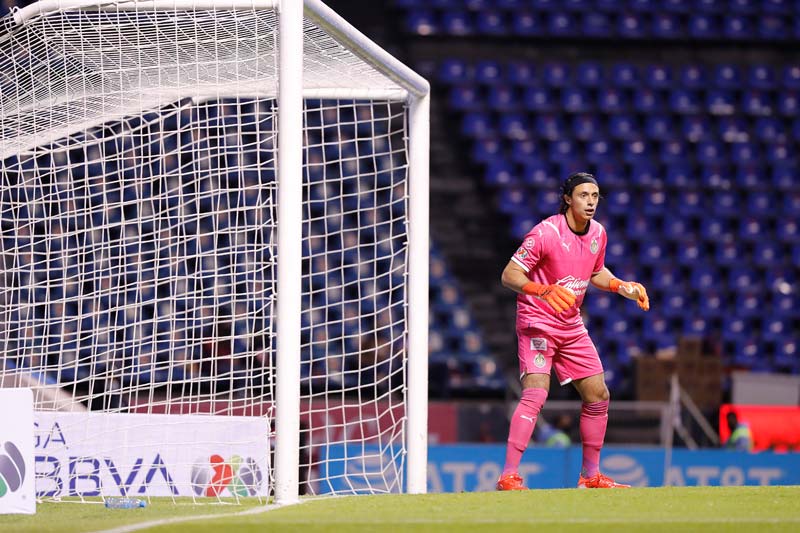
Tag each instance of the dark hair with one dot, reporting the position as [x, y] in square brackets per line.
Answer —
[572, 181]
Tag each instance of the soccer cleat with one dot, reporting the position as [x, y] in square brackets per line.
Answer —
[510, 482]
[599, 481]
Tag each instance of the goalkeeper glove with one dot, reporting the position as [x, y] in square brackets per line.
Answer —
[557, 296]
[630, 290]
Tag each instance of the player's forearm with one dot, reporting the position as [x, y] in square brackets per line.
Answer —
[514, 279]
[602, 279]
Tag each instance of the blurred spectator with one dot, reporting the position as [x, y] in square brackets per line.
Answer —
[741, 438]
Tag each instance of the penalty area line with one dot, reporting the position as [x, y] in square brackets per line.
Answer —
[179, 519]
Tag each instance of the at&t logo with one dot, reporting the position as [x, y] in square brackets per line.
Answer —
[242, 477]
[12, 469]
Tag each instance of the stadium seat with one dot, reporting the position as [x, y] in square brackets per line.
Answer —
[457, 22]
[491, 22]
[684, 101]
[767, 254]
[758, 103]
[611, 100]
[791, 76]
[646, 100]
[703, 26]
[454, 71]
[488, 72]
[464, 98]
[575, 100]
[769, 129]
[514, 126]
[597, 24]
[737, 27]
[667, 26]
[561, 24]
[624, 127]
[772, 27]
[788, 104]
[693, 77]
[674, 152]
[761, 77]
[521, 73]
[550, 126]
[421, 22]
[631, 25]
[539, 99]
[526, 24]
[625, 75]
[659, 127]
[586, 127]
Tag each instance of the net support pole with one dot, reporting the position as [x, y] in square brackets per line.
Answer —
[418, 251]
[290, 219]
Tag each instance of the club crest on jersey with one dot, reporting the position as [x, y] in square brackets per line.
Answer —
[529, 242]
[522, 253]
[594, 246]
[538, 344]
[539, 361]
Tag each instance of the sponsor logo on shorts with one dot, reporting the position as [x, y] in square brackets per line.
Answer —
[539, 344]
[539, 361]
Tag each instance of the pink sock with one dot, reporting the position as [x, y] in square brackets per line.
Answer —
[594, 419]
[522, 424]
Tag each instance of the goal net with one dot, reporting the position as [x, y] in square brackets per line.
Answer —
[139, 219]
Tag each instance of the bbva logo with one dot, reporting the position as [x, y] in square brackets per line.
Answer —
[12, 469]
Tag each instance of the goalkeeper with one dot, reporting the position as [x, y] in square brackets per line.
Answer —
[550, 272]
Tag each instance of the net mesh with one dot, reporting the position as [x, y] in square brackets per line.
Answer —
[138, 207]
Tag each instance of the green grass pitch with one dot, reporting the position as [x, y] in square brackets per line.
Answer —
[705, 509]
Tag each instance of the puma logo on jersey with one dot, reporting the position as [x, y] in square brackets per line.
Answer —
[565, 245]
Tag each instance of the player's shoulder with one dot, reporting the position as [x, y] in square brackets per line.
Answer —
[597, 228]
[550, 226]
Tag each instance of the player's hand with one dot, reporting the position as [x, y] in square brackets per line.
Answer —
[559, 298]
[632, 291]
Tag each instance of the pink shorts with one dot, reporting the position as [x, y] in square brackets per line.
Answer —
[570, 352]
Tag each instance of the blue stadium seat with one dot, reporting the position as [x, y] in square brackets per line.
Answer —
[586, 127]
[527, 24]
[611, 100]
[761, 77]
[751, 177]
[743, 278]
[631, 25]
[561, 24]
[679, 176]
[638, 227]
[695, 326]
[773, 28]
[788, 231]
[597, 24]
[486, 150]
[657, 332]
[491, 22]
[786, 356]
[521, 73]
[710, 153]
[762, 204]
[676, 229]
[776, 329]
[457, 22]
[757, 102]
[598, 151]
[563, 150]
[769, 129]
[464, 98]
[693, 77]
[539, 99]
[646, 100]
[727, 76]
[777, 7]
[779, 153]
[737, 27]
[703, 26]
[736, 330]
[488, 72]
[550, 126]
[636, 150]
[454, 71]
[720, 102]
[684, 101]
[667, 26]
[625, 75]
[538, 175]
[791, 76]
[556, 74]
[623, 127]
[787, 305]
[645, 175]
[712, 305]
[745, 153]
[514, 126]
[653, 253]
[710, 6]
[674, 305]
[767, 254]
[659, 127]
[788, 104]
[674, 152]
[477, 125]
[523, 151]
[696, 128]
[502, 98]
[500, 174]
[512, 200]
[715, 230]
[575, 100]
[749, 304]
[791, 204]
[421, 22]
[619, 203]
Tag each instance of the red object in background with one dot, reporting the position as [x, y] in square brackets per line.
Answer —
[775, 427]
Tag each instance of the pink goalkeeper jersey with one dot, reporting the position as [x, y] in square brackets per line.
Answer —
[552, 253]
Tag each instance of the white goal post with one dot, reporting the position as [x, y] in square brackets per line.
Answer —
[216, 207]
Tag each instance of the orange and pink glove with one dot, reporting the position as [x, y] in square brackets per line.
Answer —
[559, 298]
[630, 290]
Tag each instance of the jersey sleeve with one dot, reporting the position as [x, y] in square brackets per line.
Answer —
[532, 249]
[600, 262]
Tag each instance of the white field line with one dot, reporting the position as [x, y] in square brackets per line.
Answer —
[155, 523]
